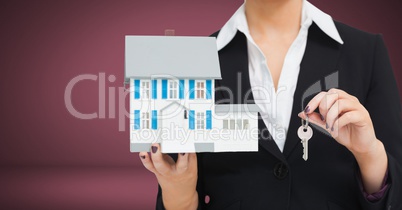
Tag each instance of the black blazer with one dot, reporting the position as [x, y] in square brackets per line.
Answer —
[269, 179]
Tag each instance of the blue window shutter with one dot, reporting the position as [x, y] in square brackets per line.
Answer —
[154, 119]
[191, 121]
[191, 88]
[209, 89]
[136, 89]
[209, 120]
[164, 88]
[136, 119]
[181, 89]
[154, 89]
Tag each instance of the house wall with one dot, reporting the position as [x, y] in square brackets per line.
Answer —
[237, 139]
[175, 130]
[158, 100]
[217, 139]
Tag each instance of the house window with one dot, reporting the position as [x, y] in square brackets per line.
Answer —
[173, 89]
[233, 124]
[225, 124]
[245, 124]
[200, 90]
[145, 120]
[200, 120]
[145, 89]
[239, 124]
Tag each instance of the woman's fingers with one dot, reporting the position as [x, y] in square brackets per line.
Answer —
[192, 161]
[314, 103]
[163, 164]
[341, 93]
[324, 100]
[346, 119]
[182, 162]
[326, 103]
[147, 162]
[186, 162]
[340, 107]
[314, 118]
[160, 161]
[344, 107]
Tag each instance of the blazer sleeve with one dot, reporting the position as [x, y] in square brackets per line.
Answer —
[383, 104]
[159, 201]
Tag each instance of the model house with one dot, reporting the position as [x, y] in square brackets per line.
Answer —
[172, 98]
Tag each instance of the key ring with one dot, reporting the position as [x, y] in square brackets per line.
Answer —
[305, 125]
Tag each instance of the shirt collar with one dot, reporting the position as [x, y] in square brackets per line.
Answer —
[310, 14]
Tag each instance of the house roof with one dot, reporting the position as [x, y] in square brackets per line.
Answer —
[171, 56]
[172, 103]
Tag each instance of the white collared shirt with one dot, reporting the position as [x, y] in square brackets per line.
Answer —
[276, 106]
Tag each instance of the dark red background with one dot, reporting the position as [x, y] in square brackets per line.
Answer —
[50, 159]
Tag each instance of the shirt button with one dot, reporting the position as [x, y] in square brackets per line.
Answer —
[207, 199]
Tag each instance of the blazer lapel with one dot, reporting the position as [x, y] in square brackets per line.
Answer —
[235, 86]
[320, 60]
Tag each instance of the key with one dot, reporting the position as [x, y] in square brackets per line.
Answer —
[305, 134]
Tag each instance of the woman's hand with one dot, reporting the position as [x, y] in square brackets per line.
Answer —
[349, 123]
[344, 118]
[178, 179]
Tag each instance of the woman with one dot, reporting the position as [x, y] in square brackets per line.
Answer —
[289, 48]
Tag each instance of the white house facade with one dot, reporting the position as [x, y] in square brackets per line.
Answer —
[172, 98]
